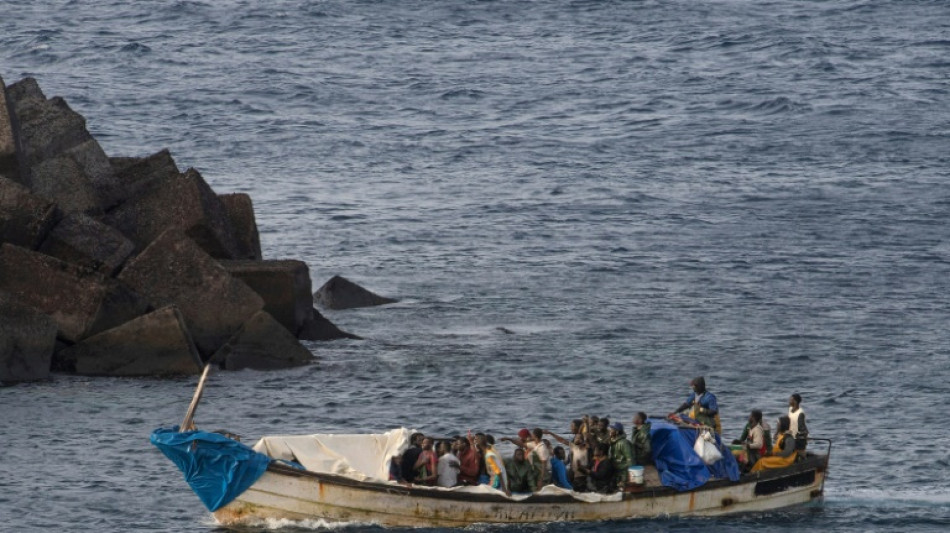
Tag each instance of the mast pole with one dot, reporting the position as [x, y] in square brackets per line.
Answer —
[190, 413]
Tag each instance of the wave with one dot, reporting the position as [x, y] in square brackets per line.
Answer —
[283, 523]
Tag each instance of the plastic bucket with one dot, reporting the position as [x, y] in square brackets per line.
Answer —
[635, 475]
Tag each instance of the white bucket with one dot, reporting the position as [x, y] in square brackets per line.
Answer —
[635, 475]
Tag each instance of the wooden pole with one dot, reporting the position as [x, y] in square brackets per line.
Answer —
[190, 413]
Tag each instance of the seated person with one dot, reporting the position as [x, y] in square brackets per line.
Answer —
[600, 472]
[395, 470]
[766, 430]
[783, 452]
[754, 438]
[521, 474]
[559, 469]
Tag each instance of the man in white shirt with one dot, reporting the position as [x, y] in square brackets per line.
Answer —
[448, 466]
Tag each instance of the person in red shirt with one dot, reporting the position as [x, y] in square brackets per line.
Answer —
[470, 461]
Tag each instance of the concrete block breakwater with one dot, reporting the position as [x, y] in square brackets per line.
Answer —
[128, 266]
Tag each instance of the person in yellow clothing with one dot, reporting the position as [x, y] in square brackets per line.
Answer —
[783, 451]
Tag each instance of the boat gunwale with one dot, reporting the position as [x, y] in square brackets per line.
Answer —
[812, 462]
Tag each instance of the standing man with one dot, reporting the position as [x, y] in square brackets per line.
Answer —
[448, 465]
[702, 405]
[579, 453]
[470, 461]
[410, 457]
[642, 448]
[494, 466]
[797, 428]
[621, 453]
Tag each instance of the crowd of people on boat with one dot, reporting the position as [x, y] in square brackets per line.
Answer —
[597, 455]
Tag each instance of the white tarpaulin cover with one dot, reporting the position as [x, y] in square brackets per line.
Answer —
[366, 457]
[359, 457]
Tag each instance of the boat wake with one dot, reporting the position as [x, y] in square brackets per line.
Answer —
[278, 524]
[875, 497]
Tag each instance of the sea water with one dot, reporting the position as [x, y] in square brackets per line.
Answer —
[581, 206]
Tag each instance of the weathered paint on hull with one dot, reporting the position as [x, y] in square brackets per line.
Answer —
[281, 496]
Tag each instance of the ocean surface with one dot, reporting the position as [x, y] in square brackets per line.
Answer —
[581, 206]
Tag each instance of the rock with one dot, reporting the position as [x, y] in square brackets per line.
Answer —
[120, 163]
[25, 89]
[59, 364]
[156, 344]
[184, 202]
[262, 344]
[65, 163]
[47, 127]
[81, 301]
[139, 173]
[9, 151]
[240, 212]
[63, 179]
[27, 339]
[25, 219]
[318, 328]
[82, 240]
[341, 293]
[174, 270]
[283, 285]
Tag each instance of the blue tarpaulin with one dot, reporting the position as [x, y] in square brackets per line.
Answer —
[217, 468]
[677, 463]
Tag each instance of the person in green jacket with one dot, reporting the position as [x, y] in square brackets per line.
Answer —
[621, 453]
[642, 449]
[521, 473]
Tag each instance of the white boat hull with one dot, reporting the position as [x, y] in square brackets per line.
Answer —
[284, 493]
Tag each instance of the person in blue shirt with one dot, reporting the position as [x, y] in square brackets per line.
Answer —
[702, 405]
[559, 470]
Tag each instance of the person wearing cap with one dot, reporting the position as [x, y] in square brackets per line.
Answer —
[521, 440]
[702, 405]
[537, 452]
[621, 453]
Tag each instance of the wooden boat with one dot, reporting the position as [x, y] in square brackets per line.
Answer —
[284, 492]
[278, 490]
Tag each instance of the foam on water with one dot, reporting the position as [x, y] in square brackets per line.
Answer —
[283, 524]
